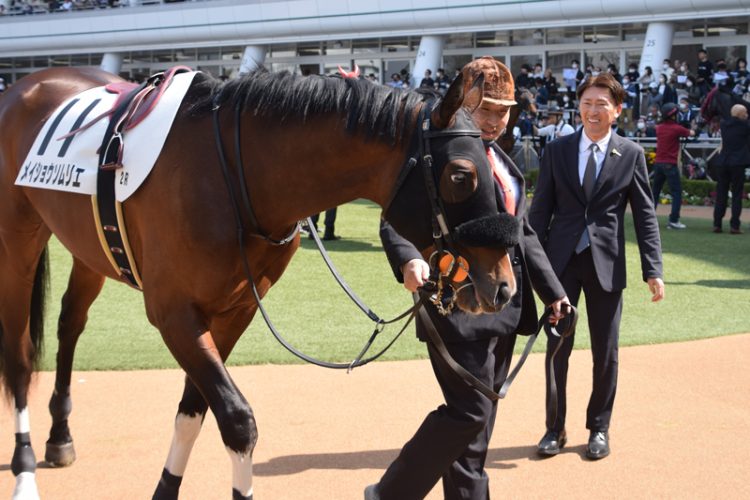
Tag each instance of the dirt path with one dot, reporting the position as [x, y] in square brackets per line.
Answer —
[680, 430]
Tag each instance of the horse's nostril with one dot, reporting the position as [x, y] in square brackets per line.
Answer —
[503, 294]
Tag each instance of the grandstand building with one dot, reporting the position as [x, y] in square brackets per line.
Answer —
[228, 37]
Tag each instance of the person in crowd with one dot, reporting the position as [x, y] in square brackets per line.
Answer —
[740, 71]
[704, 71]
[442, 81]
[452, 441]
[612, 70]
[2, 85]
[685, 115]
[568, 102]
[538, 72]
[630, 105]
[427, 82]
[693, 91]
[585, 182]
[644, 83]
[575, 65]
[330, 225]
[396, 81]
[524, 79]
[655, 98]
[667, 69]
[643, 130]
[553, 125]
[542, 95]
[732, 162]
[550, 83]
[666, 90]
[668, 135]
[721, 73]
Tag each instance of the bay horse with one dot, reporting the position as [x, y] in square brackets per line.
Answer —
[308, 143]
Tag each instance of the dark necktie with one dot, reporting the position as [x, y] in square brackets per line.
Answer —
[589, 179]
[589, 176]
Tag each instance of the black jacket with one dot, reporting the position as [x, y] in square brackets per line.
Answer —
[735, 134]
[531, 267]
[559, 212]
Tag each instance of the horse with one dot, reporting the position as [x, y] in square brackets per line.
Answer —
[301, 145]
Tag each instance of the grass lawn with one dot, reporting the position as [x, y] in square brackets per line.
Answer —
[707, 278]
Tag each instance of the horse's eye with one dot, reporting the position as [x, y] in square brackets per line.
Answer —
[458, 178]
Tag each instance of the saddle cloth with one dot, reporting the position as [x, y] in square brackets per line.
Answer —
[70, 164]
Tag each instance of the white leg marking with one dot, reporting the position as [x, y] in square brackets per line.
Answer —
[26, 487]
[186, 430]
[22, 420]
[242, 472]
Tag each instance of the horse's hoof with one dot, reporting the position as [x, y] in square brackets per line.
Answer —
[60, 455]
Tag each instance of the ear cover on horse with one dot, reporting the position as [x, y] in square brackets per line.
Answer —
[492, 230]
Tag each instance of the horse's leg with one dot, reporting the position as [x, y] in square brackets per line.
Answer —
[23, 276]
[201, 358]
[84, 286]
[187, 425]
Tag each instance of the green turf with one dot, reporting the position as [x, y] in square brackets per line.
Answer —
[707, 278]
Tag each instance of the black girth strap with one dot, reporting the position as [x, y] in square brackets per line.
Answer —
[107, 210]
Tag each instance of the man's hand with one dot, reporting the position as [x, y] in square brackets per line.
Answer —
[415, 272]
[558, 309]
[656, 285]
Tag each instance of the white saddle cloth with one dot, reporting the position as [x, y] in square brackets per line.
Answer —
[71, 164]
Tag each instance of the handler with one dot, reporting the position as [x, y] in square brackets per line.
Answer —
[452, 441]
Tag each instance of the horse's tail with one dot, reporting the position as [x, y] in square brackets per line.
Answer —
[36, 320]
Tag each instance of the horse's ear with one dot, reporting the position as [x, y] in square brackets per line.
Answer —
[474, 96]
[444, 111]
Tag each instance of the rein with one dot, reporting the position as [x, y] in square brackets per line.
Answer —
[568, 327]
[240, 227]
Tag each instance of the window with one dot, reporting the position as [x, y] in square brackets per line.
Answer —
[493, 39]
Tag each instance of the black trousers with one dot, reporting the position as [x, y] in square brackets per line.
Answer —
[452, 441]
[604, 310]
[329, 221]
[734, 177]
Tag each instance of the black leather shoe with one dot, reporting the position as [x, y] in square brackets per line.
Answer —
[598, 446]
[371, 492]
[552, 443]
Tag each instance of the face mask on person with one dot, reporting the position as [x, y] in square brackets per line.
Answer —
[641, 125]
[632, 70]
[665, 66]
[683, 68]
[566, 99]
[574, 66]
[626, 81]
[594, 73]
[688, 84]
[683, 106]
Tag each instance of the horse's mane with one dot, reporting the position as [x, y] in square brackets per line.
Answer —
[373, 109]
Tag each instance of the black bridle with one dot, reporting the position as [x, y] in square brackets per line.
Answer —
[440, 284]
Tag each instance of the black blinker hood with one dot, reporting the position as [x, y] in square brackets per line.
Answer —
[500, 229]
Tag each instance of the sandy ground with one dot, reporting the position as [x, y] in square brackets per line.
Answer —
[680, 430]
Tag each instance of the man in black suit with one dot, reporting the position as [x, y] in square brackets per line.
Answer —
[585, 182]
[732, 162]
[452, 441]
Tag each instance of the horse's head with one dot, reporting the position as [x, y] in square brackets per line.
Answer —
[448, 202]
